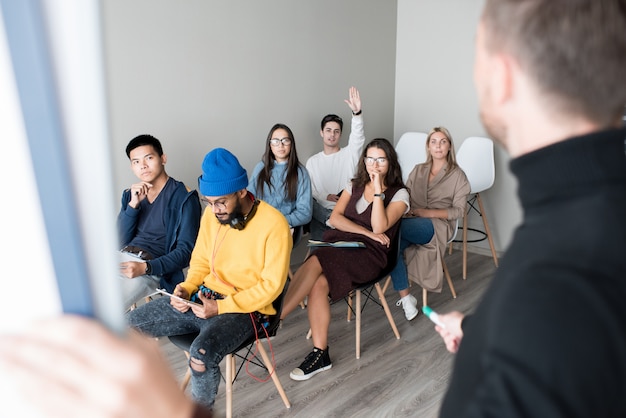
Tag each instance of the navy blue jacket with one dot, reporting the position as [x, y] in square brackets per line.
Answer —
[182, 220]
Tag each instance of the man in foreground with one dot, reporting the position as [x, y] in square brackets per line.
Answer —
[549, 337]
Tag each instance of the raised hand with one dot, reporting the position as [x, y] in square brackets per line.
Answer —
[354, 100]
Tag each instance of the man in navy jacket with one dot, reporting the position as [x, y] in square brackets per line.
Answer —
[158, 223]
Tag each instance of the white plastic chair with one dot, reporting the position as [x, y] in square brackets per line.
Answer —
[411, 150]
[475, 157]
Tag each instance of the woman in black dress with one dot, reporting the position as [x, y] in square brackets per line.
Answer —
[369, 211]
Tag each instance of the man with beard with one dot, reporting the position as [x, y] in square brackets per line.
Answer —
[549, 337]
[238, 267]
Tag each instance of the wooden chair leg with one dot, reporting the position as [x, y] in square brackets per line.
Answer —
[448, 278]
[387, 283]
[465, 247]
[230, 367]
[358, 324]
[383, 302]
[187, 377]
[272, 372]
[350, 307]
[487, 230]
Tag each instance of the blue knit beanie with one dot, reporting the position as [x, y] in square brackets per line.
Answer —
[221, 174]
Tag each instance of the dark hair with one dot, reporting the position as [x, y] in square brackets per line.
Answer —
[393, 178]
[291, 177]
[141, 140]
[574, 50]
[332, 118]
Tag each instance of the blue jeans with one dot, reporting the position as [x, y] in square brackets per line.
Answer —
[413, 231]
[318, 222]
[219, 335]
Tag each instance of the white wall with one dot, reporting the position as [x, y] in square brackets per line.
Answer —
[434, 86]
[205, 73]
[199, 74]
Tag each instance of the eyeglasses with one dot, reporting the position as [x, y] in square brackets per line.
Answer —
[372, 160]
[219, 205]
[275, 142]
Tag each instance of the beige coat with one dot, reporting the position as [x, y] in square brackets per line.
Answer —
[448, 190]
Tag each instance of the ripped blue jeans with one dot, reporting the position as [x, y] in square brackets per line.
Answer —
[218, 336]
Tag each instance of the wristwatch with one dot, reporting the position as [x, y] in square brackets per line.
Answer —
[357, 113]
[148, 268]
[381, 195]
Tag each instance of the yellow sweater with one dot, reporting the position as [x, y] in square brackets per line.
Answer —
[250, 266]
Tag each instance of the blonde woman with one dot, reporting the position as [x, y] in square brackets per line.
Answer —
[439, 190]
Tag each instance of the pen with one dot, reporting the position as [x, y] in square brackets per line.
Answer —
[432, 315]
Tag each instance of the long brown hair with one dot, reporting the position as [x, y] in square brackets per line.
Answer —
[393, 178]
[265, 175]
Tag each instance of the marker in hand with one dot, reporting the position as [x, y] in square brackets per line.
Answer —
[432, 315]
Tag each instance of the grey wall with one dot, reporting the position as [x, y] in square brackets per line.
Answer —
[434, 86]
[200, 74]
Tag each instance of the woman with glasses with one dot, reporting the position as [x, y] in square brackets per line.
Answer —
[368, 210]
[280, 180]
[439, 190]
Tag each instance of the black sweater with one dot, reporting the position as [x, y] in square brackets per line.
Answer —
[549, 337]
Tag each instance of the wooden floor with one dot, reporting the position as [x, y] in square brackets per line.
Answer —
[405, 377]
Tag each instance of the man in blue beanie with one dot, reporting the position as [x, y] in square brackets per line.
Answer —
[238, 267]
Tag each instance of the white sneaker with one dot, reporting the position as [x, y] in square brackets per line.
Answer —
[409, 304]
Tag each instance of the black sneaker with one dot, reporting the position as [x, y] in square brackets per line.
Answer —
[317, 361]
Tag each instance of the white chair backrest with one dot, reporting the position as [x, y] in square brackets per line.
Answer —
[411, 149]
[475, 157]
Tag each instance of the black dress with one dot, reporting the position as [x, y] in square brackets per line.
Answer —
[346, 268]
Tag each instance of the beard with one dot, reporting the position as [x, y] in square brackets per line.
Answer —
[237, 213]
[494, 126]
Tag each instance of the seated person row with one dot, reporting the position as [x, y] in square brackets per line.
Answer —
[280, 180]
[369, 210]
[333, 167]
[238, 267]
[158, 234]
[157, 224]
[438, 190]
